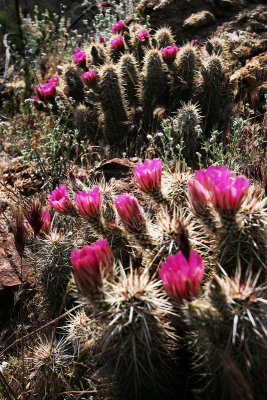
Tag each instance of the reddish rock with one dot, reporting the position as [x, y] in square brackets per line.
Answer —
[198, 20]
[115, 168]
[251, 81]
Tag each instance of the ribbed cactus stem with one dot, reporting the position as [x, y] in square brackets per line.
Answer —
[113, 106]
[74, 85]
[154, 88]
[184, 124]
[130, 79]
[212, 93]
[187, 63]
[164, 38]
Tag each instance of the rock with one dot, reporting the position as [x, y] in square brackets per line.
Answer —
[198, 20]
[214, 17]
[250, 82]
[115, 168]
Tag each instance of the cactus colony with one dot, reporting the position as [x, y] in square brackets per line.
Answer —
[136, 74]
[169, 278]
[182, 286]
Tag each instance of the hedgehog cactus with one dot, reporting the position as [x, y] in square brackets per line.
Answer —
[228, 338]
[187, 63]
[154, 90]
[185, 123]
[239, 224]
[130, 79]
[139, 337]
[212, 93]
[53, 270]
[113, 105]
[164, 38]
[74, 85]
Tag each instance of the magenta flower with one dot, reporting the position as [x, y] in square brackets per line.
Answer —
[101, 39]
[117, 28]
[169, 53]
[181, 277]
[89, 78]
[196, 43]
[130, 212]
[117, 43]
[88, 203]
[79, 57]
[225, 190]
[46, 91]
[199, 196]
[148, 175]
[46, 218]
[60, 200]
[143, 36]
[90, 264]
[54, 80]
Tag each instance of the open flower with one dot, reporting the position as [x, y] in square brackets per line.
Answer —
[79, 57]
[60, 200]
[181, 277]
[143, 36]
[46, 91]
[117, 43]
[90, 264]
[88, 203]
[117, 28]
[148, 175]
[89, 78]
[225, 190]
[130, 212]
[169, 53]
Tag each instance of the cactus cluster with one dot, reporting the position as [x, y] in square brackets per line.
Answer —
[162, 281]
[124, 83]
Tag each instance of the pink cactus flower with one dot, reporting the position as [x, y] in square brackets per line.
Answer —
[117, 43]
[90, 264]
[169, 53]
[226, 190]
[46, 91]
[117, 28]
[181, 277]
[199, 196]
[88, 204]
[54, 80]
[60, 200]
[196, 43]
[79, 57]
[101, 39]
[143, 36]
[89, 78]
[130, 212]
[46, 218]
[148, 175]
